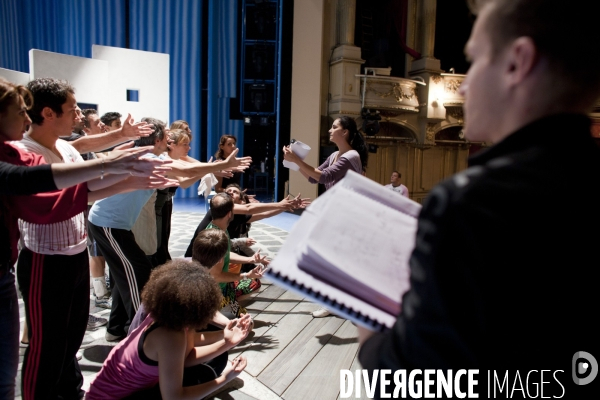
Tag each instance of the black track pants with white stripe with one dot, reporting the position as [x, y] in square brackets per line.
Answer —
[129, 268]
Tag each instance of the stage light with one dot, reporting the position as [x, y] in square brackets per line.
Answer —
[247, 121]
[370, 121]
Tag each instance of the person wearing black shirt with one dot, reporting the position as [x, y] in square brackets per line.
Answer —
[501, 274]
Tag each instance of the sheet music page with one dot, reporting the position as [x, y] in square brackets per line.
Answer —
[291, 277]
[379, 193]
[360, 240]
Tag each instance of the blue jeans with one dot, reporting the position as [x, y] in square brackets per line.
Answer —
[9, 336]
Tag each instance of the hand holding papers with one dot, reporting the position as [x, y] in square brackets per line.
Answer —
[349, 251]
[299, 149]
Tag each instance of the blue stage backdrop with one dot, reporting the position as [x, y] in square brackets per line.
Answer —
[167, 26]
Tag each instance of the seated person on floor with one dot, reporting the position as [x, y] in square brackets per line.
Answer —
[233, 284]
[165, 356]
[211, 251]
[286, 204]
[240, 225]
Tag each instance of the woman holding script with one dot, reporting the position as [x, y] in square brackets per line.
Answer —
[352, 154]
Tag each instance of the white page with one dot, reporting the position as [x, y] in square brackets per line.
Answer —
[379, 193]
[358, 241]
[284, 272]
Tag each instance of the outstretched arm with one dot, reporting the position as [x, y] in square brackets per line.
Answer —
[206, 345]
[305, 169]
[198, 170]
[102, 141]
[131, 183]
[171, 354]
[297, 202]
[223, 277]
[118, 162]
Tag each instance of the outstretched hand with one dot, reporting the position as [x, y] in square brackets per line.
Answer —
[256, 273]
[223, 174]
[128, 161]
[232, 161]
[237, 330]
[132, 130]
[149, 182]
[298, 202]
[234, 368]
[257, 259]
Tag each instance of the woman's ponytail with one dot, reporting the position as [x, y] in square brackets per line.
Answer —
[355, 139]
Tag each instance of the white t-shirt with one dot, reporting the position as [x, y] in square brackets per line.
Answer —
[66, 237]
[403, 190]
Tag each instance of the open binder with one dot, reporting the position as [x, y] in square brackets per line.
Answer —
[349, 251]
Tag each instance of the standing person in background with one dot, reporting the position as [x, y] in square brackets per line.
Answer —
[181, 124]
[178, 148]
[227, 144]
[502, 269]
[395, 184]
[352, 154]
[112, 120]
[92, 125]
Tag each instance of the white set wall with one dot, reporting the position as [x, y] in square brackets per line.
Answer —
[87, 76]
[144, 71]
[105, 78]
[18, 78]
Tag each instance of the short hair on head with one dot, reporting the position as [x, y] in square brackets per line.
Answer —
[209, 247]
[179, 124]
[235, 185]
[397, 173]
[87, 112]
[181, 294]
[158, 133]
[109, 117]
[220, 205]
[9, 93]
[48, 92]
[177, 135]
[562, 33]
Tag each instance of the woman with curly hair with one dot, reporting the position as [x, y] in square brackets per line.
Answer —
[166, 357]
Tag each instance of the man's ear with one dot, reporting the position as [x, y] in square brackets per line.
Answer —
[48, 113]
[522, 58]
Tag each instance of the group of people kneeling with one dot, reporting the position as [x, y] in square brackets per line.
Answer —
[178, 341]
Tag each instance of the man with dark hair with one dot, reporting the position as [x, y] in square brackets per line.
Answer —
[210, 247]
[396, 185]
[221, 208]
[92, 123]
[265, 209]
[112, 120]
[97, 263]
[501, 273]
[53, 269]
